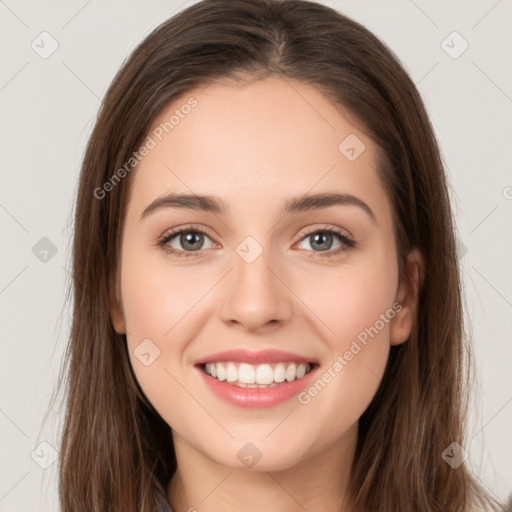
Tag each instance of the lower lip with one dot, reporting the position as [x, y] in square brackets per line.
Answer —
[257, 397]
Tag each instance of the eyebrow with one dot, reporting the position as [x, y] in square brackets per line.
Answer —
[296, 204]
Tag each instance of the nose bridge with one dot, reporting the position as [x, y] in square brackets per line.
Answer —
[256, 296]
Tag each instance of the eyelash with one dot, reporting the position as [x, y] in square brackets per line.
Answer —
[347, 242]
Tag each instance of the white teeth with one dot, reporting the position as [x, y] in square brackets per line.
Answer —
[301, 371]
[264, 374]
[221, 372]
[246, 374]
[279, 373]
[231, 373]
[291, 372]
[254, 376]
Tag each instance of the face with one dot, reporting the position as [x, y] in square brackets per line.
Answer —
[284, 283]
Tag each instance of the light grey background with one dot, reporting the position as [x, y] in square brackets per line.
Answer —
[48, 107]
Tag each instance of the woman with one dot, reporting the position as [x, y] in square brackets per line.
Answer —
[267, 305]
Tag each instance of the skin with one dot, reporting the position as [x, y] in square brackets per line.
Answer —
[255, 145]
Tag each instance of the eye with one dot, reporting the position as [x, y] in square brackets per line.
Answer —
[190, 239]
[323, 240]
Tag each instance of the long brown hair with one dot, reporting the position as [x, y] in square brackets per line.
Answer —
[116, 452]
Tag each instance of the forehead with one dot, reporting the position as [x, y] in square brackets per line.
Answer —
[255, 143]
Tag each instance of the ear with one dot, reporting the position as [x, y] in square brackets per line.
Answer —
[407, 296]
[116, 308]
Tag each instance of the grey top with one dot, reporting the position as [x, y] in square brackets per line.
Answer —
[164, 507]
[162, 504]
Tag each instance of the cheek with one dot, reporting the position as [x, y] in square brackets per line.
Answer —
[356, 304]
[156, 297]
[350, 298]
[162, 304]
[153, 304]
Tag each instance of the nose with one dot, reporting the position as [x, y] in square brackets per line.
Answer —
[256, 296]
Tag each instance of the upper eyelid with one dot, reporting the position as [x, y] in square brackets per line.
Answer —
[309, 230]
[316, 228]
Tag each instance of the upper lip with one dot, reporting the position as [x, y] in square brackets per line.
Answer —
[255, 357]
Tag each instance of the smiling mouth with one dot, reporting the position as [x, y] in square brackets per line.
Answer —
[266, 375]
